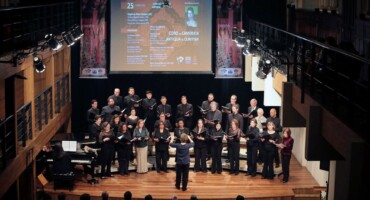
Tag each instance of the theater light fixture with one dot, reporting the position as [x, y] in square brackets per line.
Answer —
[68, 38]
[38, 64]
[53, 42]
[251, 47]
[241, 39]
[264, 67]
[76, 32]
[234, 34]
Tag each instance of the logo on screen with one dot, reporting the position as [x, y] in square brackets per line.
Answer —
[187, 60]
[130, 5]
[180, 59]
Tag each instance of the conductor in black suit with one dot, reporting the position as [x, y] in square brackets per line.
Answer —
[185, 111]
[109, 110]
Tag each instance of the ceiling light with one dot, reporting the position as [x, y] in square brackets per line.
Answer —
[53, 42]
[241, 39]
[38, 64]
[234, 34]
[68, 38]
[76, 32]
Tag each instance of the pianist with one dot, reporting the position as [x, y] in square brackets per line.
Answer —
[61, 160]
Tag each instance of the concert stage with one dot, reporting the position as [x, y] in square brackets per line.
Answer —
[203, 185]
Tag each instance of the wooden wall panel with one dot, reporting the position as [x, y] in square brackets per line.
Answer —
[2, 99]
[58, 65]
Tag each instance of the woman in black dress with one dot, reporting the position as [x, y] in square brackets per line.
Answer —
[161, 138]
[200, 134]
[107, 141]
[124, 149]
[269, 139]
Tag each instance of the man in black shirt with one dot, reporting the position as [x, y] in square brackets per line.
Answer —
[164, 108]
[109, 110]
[167, 123]
[91, 113]
[96, 129]
[131, 101]
[206, 105]
[117, 98]
[149, 105]
[234, 115]
[185, 111]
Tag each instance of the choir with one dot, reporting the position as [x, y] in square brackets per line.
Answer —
[131, 122]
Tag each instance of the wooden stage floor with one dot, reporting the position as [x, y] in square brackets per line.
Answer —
[203, 185]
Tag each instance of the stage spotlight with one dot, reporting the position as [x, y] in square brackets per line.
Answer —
[76, 32]
[234, 34]
[264, 67]
[38, 64]
[53, 42]
[68, 38]
[241, 39]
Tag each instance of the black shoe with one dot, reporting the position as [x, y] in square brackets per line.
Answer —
[253, 175]
[284, 181]
[263, 177]
[212, 172]
[247, 174]
[165, 171]
[219, 172]
[184, 189]
[231, 172]
[177, 187]
[236, 173]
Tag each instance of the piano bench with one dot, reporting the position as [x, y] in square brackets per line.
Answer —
[64, 180]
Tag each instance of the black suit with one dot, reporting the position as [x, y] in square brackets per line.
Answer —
[128, 103]
[91, 113]
[161, 149]
[108, 112]
[183, 109]
[166, 109]
[118, 100]
[149, 113]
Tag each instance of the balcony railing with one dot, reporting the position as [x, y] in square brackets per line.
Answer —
[337, 79]
[24, 124]
[62, 93]
[7, 141]
[44, 108]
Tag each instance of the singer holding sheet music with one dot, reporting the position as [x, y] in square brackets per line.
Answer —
[182, 160]
[162, 139]
[142, 135]
[107, 141]
[96, 129]
[164, 108]
[286, 153]
[185, 111]
[131, 101]
[149, 107]
[124, 149]
[216, 137]
[252, 137]
[91, 113]
[200, 134]
[109, 110]
[180, 130]
[269, 139]
[206, 105]
[233, 138]
[213, 117]
[167, 123]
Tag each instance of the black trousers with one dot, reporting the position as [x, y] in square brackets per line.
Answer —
[161, 157]
[200, 159]
[182, 173]
[106, 160]
[285, 162]
[216, 151]
[260, 158]
[252, 159]
[276, 157]
[234, 156]
[124, 159]
[268, 164]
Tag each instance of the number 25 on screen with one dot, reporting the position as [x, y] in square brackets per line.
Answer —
[130, 5]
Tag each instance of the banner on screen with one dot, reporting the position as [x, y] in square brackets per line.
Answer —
[150, 36]
[93, 61]
[228, 55]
